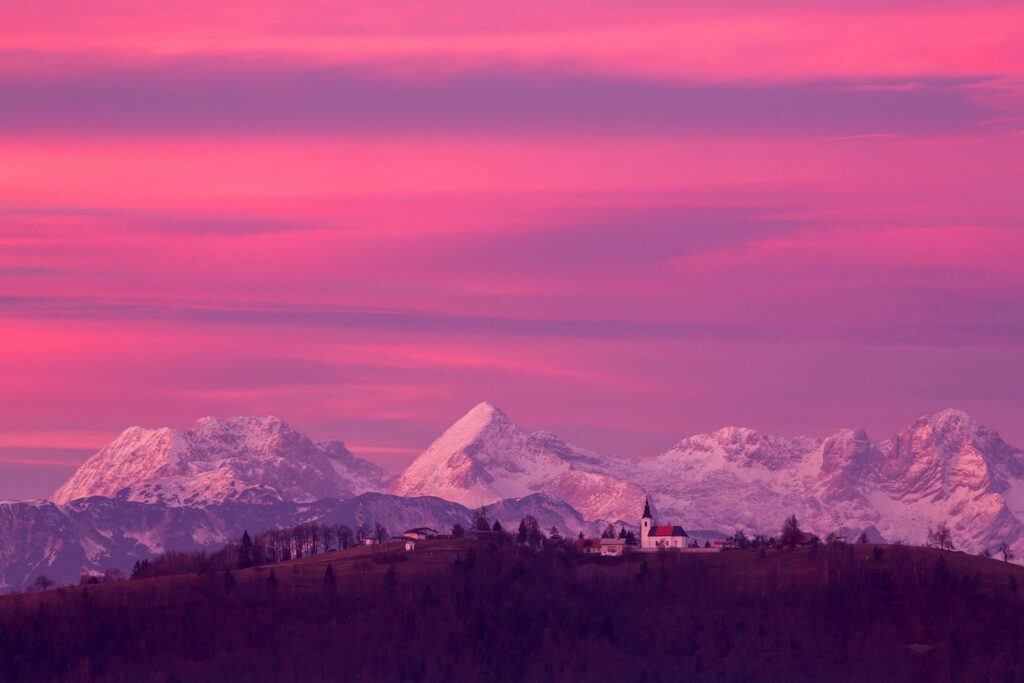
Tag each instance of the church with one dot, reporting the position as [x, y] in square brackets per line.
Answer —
[658, 536]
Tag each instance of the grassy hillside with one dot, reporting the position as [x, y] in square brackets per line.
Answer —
[458, 611]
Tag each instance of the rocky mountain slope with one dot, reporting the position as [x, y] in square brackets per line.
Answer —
[96, 534]
[152, 490]
[943, 467]
[484, 458]
[245, 459]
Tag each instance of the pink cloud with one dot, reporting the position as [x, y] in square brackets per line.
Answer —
[623, 224]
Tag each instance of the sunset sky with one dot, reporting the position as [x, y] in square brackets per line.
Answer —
[623, 222]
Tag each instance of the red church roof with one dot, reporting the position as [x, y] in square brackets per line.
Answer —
[666, 530]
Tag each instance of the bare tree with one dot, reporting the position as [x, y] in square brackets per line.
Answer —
[326, 537]
[940, 538]
[344, 536]
[314, 538]
[43, 582]
[1005, 551]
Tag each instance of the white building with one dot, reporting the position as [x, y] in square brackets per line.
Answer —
[658, 536]
[420, 533]
[613, 547]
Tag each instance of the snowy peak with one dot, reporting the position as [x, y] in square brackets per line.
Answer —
[484, 457]
[941, 452]
[481, 427]
[246, 459]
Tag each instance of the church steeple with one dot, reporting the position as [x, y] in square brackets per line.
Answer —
[645, 525]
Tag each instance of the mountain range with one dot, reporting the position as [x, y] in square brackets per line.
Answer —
[159, 489]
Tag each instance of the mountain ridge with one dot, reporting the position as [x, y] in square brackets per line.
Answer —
[255, 459]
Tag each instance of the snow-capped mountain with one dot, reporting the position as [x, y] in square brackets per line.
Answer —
[484, 458]
[244, 459]
[97, 534]
[154, 490]
[944, 467]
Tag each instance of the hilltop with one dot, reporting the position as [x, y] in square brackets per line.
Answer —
[471, 611]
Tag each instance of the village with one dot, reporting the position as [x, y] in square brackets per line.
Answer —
[653, 537]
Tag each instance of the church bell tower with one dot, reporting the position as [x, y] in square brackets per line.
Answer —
[645, 524]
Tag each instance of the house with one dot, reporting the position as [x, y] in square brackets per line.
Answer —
[370, 540]
[658, 536]
[420, 533]
[589, 546]
[806, 538]
[613, 547]
[410, 544]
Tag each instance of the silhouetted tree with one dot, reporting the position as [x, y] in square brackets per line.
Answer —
[272, 584]
[330, 583]
[523, 534]
[458, 531]
[609, 532]
[245, 551]
[229, 580]
[941, 573]
[941, 537]
[863, 538]
[497, 527]
[740, 540]
[344, 535]
[43, 582]
[326, 538]
[534, 536]
[1006, 552]
[480, 521]
[390, 581]
[380, 532]
[791, 533]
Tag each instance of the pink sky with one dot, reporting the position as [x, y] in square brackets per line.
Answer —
[624, 224]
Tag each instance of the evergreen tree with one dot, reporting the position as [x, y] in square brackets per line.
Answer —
[330, 583]
[272, 584]
[245, 551]
[458, 531]
[609, 532]
[523, 534]
[791, 533]
[480, 521]
[497, 527]
[534, 536]
[390, 581]
[229, 580]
